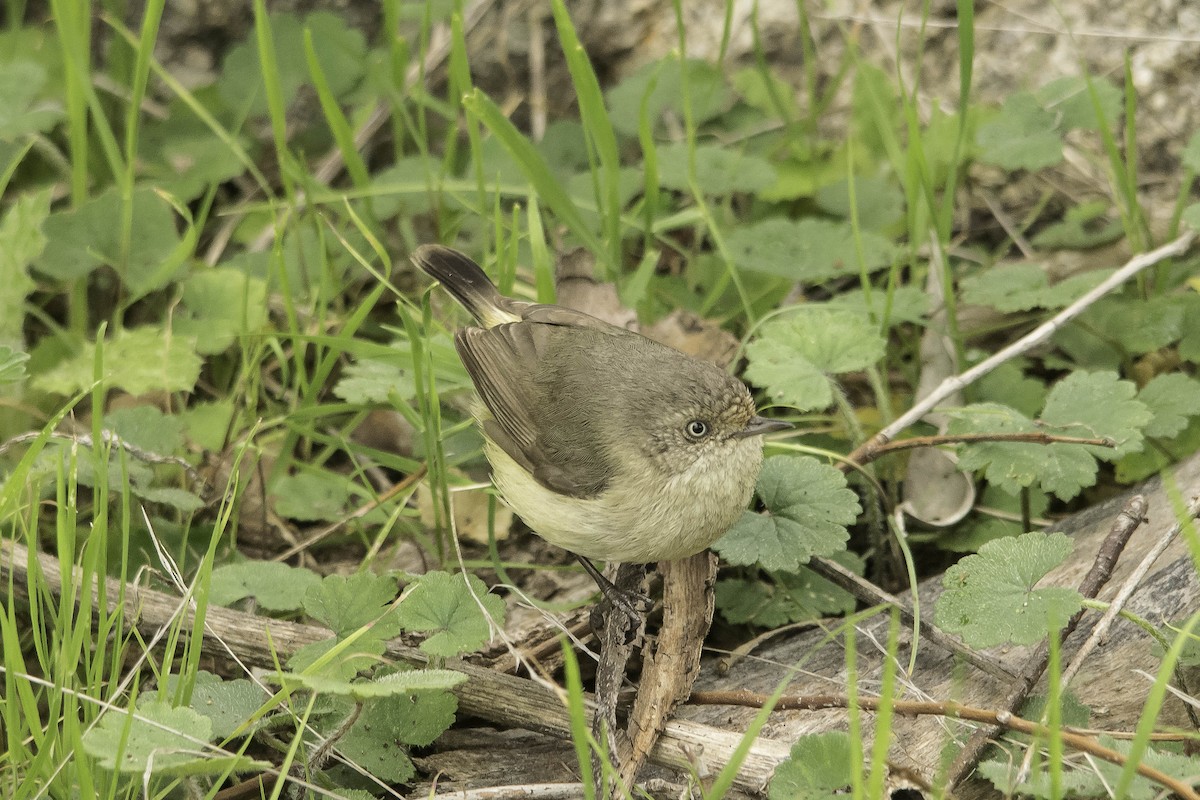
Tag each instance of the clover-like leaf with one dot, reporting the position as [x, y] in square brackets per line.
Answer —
[80, 239]
[879, 202]
[24, 109]
[787, 597]
[992, 597]
[415, 720]
[345, 603]
[793, 353]
[138, 360]
[808, 509]
[396, 683]
[219, 305]
[788, 377]
[1082, 226]
[309, 496]
[372, 380]
[380, 738]
[275, 586]
[1008, 385]
[178, 499]
[905, 304]
[820, 767]
[1084, 405]
[148, 428]
[1070, 99]
[448, 606]
[1095, 779]
[21, 242]
[1018, 287]
[12, 365]
[1172, 399]
[719, 170]
[340, 49]
[162, 739]
[1152, 460]
[1063, 469]
[766, 91]
[809, 250]
[1022, 135]
[1021, 287]
[227, 704]
[1135, 325]
[706, 87]
[1098, 404]
[363, 654]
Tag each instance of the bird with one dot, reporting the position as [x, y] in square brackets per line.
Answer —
[606, 443]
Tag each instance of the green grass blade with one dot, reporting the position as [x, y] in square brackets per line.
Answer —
[966, 62]
[548, 188]
[339, 126]
[578, 718]
[598, 128]
[269, 66]
[198, 108]
[1154, 703]
[542, 263]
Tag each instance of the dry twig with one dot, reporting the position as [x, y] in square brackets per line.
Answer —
[865, 452]
[951, 710]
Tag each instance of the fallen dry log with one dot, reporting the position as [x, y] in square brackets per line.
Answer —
[1113, 681]
[501, 699]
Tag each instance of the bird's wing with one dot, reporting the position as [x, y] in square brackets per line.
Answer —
[504, 363]
[569, 317]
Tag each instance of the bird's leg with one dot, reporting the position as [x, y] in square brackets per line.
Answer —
[632, 604]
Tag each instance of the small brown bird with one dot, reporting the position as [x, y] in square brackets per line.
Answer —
[606, 443]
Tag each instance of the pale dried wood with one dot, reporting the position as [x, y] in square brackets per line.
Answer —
[670, 666]
[1110, 683]
[504, 700]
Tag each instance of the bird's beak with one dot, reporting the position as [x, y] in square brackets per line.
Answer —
[760, 425]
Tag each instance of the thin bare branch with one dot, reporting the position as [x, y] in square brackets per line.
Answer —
[864, 452]
[951, 710]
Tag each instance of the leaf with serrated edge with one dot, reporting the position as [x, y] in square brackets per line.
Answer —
[819, 766]
[789, 378]
[809, 249]
[396, 683]
[276, 586]
[808, 507]
[793, 353]
[227, 704]
[1172, 399]
[447, 606]
[991, 598]
[1064, 469]
[1098, 404]
[166, 740]
[346, 603]
[138, 360]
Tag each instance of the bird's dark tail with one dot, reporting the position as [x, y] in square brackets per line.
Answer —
[467, 282]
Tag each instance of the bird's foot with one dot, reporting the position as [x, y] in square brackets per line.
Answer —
[630, 609]
[630, 604]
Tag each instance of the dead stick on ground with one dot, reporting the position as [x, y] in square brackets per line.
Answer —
[505, 700]
[1126, 591]
[951, 710]
[617, 642]
[865, 452]
[671, 662]
[1101, 570]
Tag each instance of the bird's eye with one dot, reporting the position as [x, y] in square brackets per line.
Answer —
[697, 429]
